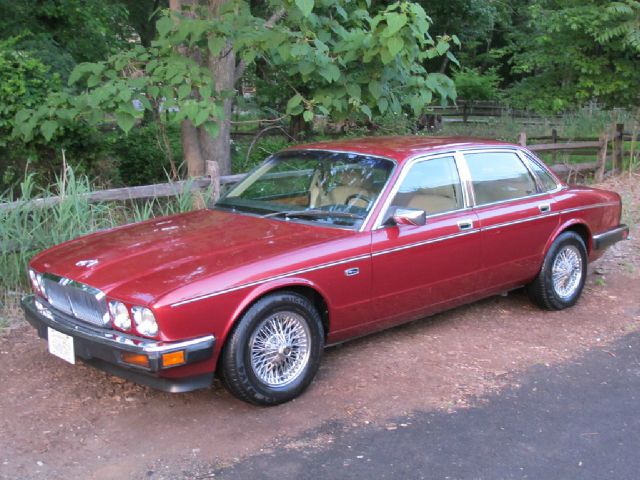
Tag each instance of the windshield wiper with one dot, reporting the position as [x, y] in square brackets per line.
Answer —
[314, 214]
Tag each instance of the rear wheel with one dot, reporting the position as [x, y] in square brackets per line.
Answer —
[274, 352]
[563, 273]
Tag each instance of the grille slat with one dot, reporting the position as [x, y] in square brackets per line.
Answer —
[73, 298]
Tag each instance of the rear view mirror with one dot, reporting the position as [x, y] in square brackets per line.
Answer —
[409, 216]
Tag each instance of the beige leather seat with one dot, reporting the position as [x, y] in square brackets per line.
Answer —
[352, 189]
[435, 200]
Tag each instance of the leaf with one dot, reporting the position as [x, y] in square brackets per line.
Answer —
[330, 73]
[201, 117]
[294, 102]
[395, 21]
[215, 45]
[366, 110]
[307, 115]
[375, 88]
[125, 121]
[353, 89]
[305, 6]
[164, 26]
[48, 128]
[383, 105]
[184, 90]
[394, 45]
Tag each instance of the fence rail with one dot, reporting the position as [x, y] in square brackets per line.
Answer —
[213, 180]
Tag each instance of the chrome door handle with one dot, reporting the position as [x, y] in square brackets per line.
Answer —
[465, 224]
[544, 207]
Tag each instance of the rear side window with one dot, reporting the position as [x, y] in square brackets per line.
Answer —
[547, 182]
[431, 185]
[499, 176]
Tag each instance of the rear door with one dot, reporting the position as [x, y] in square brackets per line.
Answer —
[516, 217]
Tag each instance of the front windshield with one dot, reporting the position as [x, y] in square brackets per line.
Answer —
[328, 188]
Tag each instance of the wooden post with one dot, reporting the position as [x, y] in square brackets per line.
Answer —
[213, 172]
[602, 157]
[522, 139]
[554, 139]
[618, 147]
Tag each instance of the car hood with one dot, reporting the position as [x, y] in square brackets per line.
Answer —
[207, 250]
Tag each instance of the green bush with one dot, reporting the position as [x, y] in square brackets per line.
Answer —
[141, 158]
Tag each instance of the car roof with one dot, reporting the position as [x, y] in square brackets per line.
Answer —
[400, 148]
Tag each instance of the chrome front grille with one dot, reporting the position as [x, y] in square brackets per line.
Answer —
[77, 299]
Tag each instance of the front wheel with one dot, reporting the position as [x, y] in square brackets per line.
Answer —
[563, 273]
[274, 352]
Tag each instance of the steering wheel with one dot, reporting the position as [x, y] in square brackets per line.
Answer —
[351, 199]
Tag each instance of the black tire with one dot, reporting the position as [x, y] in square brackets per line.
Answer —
[243, 378]
[554, 296]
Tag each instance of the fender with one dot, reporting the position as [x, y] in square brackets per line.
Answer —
[264, 289]
[565, 226]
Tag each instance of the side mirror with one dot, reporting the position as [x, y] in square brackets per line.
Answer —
[409, 216]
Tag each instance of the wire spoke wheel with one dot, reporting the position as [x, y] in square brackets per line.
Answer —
[279, 348]
[567, 271]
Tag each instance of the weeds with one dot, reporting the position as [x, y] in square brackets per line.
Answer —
[30, 226]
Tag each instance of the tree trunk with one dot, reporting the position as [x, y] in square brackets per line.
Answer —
[193, 155]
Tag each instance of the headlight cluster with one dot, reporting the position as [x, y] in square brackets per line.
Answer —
[145, 321]
[37, 282]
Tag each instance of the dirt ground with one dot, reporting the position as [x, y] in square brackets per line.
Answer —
[63, 421]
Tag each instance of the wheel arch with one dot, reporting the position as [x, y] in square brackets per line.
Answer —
[297, 285]
[574, 225]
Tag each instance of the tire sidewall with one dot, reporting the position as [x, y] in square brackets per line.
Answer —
[563, 240]
[238, 354]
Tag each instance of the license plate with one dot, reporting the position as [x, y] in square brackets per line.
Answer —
[61, 345]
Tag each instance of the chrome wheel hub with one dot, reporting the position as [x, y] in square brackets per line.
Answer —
[279, 348]
[567, 271]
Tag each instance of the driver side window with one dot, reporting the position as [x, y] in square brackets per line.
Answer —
[431, 185]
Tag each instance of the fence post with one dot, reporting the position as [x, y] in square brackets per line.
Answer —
[554, 139]
[522, 139]
[213, 172]
[602, 157]
[618, 146]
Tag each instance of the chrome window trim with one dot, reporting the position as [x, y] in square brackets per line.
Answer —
[365, 221]
[406, 167]
[527, 158]
[506, 149]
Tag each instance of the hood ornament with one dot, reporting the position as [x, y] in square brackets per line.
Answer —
[87, 263]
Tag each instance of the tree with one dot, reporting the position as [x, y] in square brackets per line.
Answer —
[575, 51]
[338, 58]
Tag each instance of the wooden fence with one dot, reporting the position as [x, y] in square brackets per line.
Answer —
[599, 148]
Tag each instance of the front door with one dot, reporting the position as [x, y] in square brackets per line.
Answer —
[418, 270]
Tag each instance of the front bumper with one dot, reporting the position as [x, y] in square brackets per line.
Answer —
[608, 238]
[103, 349]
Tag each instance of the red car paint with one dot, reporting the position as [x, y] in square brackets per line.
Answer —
[199, 271]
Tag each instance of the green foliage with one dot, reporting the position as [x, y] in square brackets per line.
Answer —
[338, 59]
[29, 228]
[141, 156]
[24, 83]
[572, 52]
[472, 85]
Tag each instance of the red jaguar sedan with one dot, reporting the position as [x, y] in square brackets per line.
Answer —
[319, 244]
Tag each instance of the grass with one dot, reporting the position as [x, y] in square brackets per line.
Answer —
[28, 229]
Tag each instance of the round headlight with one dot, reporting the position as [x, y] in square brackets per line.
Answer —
[120, 315]
[145, 321]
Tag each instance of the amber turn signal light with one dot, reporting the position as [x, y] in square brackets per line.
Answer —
[173, 359]
[135, 359]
